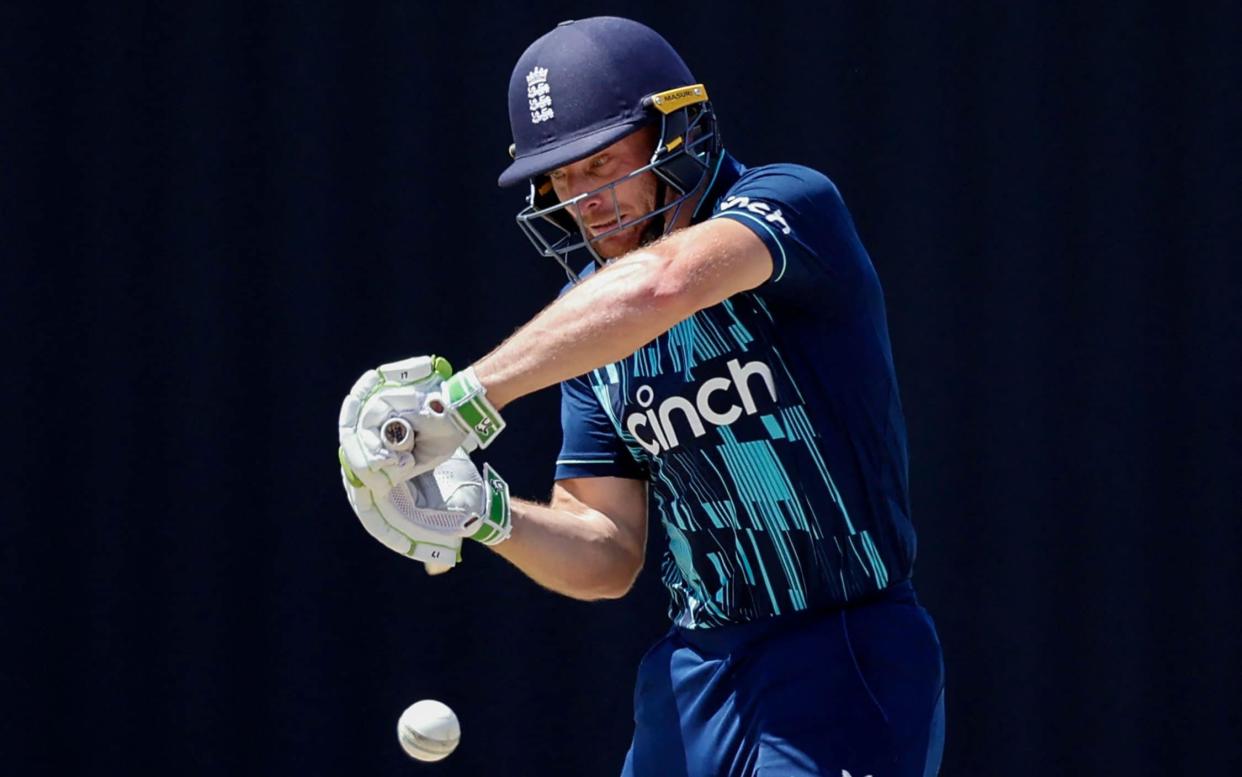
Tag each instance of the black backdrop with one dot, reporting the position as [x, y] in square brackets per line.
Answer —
[214, 218]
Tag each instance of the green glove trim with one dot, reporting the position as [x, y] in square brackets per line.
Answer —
[349, 473]
[498, 522]
[398, 373]
[467, 398]
[441, 367]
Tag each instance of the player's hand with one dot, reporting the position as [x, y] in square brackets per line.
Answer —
[418, 395]
[427, 517]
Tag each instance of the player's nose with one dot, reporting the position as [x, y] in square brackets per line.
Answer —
[587, 206]
[593, 203]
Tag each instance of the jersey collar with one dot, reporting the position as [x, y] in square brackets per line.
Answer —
[727, 171]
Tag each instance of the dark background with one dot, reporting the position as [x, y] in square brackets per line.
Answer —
[214, 218]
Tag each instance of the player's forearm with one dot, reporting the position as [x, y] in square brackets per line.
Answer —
[602, 320]
[580, 554]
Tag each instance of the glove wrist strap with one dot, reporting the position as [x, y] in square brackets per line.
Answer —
[498, 523]
[467, 399]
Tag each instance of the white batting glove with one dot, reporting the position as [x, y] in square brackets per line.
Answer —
[426, 517]
[434, 412]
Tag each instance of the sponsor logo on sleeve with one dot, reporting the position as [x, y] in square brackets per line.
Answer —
[759, 208]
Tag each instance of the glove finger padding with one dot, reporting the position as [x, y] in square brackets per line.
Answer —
[389, 520]
[409, 390]
[427, 516]
[419, 503]
[470, 504]
[484, 496]
[362, 449]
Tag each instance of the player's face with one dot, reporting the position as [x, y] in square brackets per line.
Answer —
[635, 197]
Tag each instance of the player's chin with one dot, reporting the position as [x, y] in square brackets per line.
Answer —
[617, 244]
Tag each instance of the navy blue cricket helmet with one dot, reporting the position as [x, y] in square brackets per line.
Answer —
[582, 87]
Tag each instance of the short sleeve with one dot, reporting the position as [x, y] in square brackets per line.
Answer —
[799, 215]
[590, 445]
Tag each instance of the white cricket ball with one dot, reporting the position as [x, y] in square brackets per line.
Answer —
[428, 730]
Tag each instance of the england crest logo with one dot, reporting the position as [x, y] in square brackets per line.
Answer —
[539, 95]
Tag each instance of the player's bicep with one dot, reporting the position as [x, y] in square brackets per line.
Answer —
[621, 501]
[799, 216]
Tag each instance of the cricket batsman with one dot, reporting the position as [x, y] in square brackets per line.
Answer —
[724, 365]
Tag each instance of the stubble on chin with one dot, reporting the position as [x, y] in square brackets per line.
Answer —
[620, 244]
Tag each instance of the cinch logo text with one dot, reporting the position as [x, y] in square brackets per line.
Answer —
[653, 428]
[759, 209]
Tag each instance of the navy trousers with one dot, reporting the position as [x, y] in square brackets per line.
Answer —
[855, 691]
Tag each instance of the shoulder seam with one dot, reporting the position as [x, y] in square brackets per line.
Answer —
[760, 222]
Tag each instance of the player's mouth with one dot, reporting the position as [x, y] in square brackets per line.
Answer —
[604, 226]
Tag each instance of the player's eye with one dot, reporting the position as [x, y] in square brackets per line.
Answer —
[599, 161]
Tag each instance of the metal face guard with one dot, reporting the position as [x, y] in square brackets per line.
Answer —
[686, 152]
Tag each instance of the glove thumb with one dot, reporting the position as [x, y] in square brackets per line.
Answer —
[461, 485]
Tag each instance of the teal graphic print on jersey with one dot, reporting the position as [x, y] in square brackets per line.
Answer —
[768, 426]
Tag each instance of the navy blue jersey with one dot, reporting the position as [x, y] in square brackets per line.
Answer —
[769, 426]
